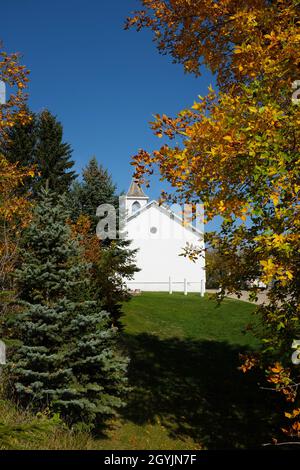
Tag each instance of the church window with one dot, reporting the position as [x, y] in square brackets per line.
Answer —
[135, 207]
[153, 230]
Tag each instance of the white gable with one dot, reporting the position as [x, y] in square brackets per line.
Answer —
[160, 237]
[168, 221]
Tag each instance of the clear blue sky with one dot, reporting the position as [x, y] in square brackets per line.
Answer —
[103, 83]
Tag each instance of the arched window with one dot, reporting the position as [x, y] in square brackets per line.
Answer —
[135, 207]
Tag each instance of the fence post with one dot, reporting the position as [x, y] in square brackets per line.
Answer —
[170, 285]
[185, 287]
[2, 355]
[202, 288]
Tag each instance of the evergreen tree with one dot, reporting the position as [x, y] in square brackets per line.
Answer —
[39, 143]
[113, 267]
[20, 141]
[52, 155]
[96, 188]
[116, 261]
[67, 356]
[19, 147]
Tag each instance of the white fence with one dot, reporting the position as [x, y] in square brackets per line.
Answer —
[170, 286]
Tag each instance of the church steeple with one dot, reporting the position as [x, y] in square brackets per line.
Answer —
[135, 198]
[135, 190]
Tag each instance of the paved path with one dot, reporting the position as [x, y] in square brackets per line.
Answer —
[262, 296]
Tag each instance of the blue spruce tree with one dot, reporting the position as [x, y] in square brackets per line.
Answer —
[67, 357]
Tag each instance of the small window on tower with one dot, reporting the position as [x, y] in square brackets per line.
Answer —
[135, 207]
[153, 230]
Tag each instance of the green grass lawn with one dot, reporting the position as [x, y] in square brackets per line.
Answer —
[189, 317]
[187, 390]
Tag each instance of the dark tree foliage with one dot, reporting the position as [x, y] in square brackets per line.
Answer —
[53, 156]
[19, 147]
[39, 144]
[116, 262]
[95, 189]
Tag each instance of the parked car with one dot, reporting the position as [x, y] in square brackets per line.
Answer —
[257, 283]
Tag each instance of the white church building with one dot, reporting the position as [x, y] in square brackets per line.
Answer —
[159, 235]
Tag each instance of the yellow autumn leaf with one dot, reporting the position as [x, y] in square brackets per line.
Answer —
[277, 368]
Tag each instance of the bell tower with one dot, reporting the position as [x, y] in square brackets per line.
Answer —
[135, 198]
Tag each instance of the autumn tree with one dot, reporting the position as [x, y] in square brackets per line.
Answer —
[13, 206]
[237, 150]
[215, 266]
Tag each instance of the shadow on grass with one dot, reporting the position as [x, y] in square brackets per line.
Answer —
[195, 389]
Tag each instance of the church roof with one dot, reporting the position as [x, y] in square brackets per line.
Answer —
[167, 211]
[135, 190]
